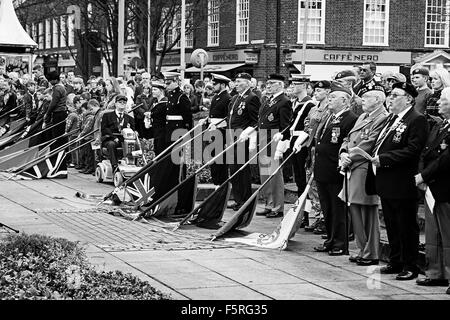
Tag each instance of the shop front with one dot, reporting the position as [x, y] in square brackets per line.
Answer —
[324, 64]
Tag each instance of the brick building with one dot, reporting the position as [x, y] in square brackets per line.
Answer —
[241, 35]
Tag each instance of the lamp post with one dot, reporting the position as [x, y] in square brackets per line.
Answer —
[149, 38]
[121, 37]
[183, 39]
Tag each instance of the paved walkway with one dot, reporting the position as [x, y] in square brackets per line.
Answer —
[185, 263]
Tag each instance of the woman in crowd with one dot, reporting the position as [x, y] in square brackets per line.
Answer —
[440, 79]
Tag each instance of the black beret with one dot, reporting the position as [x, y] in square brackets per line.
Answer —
[407, 87]
[324, 84]
[345, 74]
[338, 87]
[275, 76]
[121, 97]
[244, 75]
[423, 71]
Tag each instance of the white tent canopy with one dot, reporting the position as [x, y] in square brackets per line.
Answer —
[12, 33]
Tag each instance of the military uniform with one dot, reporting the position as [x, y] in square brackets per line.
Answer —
[178, 113]
[242, 114]
[158, 129]
[363, 86]
[217, 112]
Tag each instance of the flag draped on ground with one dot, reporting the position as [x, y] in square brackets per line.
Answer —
[47, 168]
[287, 228]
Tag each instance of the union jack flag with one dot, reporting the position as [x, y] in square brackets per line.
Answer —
[46, 169]
[140, 190]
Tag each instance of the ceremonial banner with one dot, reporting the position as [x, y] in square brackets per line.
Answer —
[287, 228]
[48, 168]
[210, 212]
[19, 145]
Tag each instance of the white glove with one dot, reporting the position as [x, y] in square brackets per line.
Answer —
[246, 134]
[212, 127]
[282, 146]
[278, 137]
[202, 121]
[253, 142]
[147, 123]
[298, 144]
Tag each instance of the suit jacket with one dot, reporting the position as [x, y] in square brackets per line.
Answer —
[276, 115]
[110, 127]
[328, 143]
[436, 163]
[243, 111]
[399, 156]
[362, 135]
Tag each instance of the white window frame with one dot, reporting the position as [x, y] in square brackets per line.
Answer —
[41, 35]
[213, 24]
[48, 34]
[447, 23]
[386, 26]
[55, 31]
[71, 30]
[238, 28]
[34, 32]
[63, 31]
[300, 23]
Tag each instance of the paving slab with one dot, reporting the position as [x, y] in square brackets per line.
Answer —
[359, 288]
[297, 291]
[256, 276]
[224, 293]
[207, 279]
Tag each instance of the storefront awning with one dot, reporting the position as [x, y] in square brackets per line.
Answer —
[216, 67]
[327, 71]
[168, 68]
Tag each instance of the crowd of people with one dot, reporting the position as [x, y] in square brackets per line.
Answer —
[372, 141]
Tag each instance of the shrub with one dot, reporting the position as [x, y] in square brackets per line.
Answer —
[39, 267]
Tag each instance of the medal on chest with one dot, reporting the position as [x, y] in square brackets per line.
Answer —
[270, 117]
[335, 134]
[443, 145]
[365, 134]
[398, 133]
[241, 108]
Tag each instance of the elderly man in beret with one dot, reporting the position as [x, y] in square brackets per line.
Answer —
[315, 116]
[364, 207]
[274, 117]
[435, 173]
[242, 120]
[330, 136]
[419, 78]
[347, 79]
[396, 160]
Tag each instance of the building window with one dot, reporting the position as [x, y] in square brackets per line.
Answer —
[63, 33]
[189, 27]
[55, 30]
[28, 29]
[48, 34]
[71, 30]
[316, 21]
[376, 22]
[213, 22]
[131, 22]
[242, 21]
[436, 24]
[41, 35]
[34, 33]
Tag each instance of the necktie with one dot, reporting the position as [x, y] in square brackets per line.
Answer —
[443, 125]
[385, 132]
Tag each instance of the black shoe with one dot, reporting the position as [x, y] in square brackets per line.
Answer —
[274, 214]
[311, 227]
[324, 237]
[336, 252]
[263, 212]
[321, 249]
[407, 275]
[90, 171]
[354, 259]
[231, 206]
[351, 237]
[320, 230]
[234, 206]
[390, 269]
[81, 169]
[84, 171]
[367, 262]
[427, 282]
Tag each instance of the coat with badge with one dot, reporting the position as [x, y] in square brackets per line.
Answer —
[274, 116]
[436, 163]
[243, 111]
[399, 156]
[329, 139]
[363, 135]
